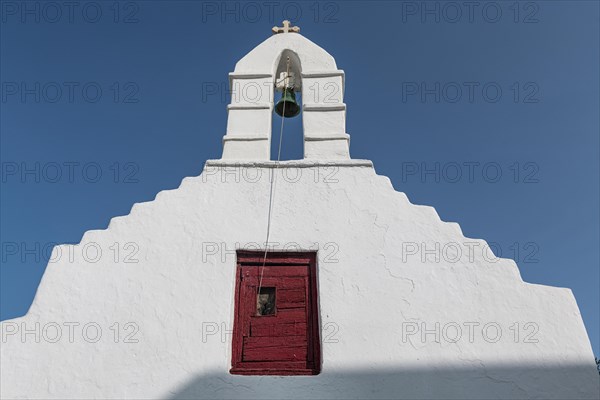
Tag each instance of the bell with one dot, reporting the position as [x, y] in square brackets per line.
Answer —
[287, 101]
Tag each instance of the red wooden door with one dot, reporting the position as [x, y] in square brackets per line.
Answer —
[276, 329]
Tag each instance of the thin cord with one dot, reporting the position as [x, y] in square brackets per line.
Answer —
[273, 180]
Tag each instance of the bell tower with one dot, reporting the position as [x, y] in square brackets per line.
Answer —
[312, 72]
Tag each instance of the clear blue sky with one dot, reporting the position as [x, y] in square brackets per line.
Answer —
[409, 68]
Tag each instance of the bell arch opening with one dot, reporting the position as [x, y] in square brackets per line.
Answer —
[292, 146]
[295, 67]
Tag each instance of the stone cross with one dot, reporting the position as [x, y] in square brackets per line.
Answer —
[287, 28]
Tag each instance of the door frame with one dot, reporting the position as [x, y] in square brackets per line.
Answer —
[279, 258]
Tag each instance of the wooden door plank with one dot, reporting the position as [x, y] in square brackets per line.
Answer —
[291, 329]
[276, 272]
[287, 353]
[275, 365]
[274, 341]
[291, 295]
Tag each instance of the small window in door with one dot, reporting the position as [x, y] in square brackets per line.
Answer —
[265, 301]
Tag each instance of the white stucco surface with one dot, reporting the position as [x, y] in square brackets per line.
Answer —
[370, 295]
[260, 59]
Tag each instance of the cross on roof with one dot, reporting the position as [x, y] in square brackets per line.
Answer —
[287, 28]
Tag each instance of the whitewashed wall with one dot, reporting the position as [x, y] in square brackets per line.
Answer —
[375, 289]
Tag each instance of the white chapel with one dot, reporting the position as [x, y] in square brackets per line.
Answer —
[298, 279]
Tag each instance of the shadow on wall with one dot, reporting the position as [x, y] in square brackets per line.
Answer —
[506, 382]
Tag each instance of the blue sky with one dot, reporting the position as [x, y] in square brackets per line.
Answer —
[489, 114]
